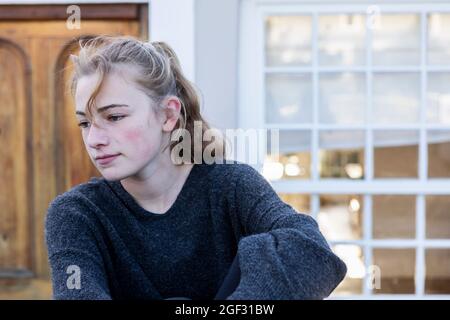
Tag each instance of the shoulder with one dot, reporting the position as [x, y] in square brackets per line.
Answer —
[232, 169]
[72, 219]
[78, 199]
[234, 174]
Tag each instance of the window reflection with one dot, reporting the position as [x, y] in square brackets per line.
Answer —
[438, 153]
[340, 216]
[341, 154]
[288, 40]
[438, 217]
[394, 216]
[397, 268]
[294, 158]
[391, 148]
[437, 279]
[288, 98]
[341, 39]
[300, 202]
[396, 40]
[396, 98]
[342, 98]
[352, 255]
[438, 97]
[438, 38]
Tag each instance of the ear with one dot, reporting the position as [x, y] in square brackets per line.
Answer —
[171, 110]
[73, 58]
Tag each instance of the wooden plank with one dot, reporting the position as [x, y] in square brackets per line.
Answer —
[58, 29]
[15, 250]
[43, 135]
[36, 289]
[143, 22]
[127, 11]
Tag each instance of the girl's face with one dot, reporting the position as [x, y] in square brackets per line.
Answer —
[124, 124]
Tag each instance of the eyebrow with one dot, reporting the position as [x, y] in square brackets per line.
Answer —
[104, 108]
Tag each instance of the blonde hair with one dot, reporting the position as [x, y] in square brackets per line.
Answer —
[159, 75]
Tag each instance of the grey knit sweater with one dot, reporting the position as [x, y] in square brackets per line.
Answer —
[103, 245]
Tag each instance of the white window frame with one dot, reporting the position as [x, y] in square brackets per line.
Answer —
[251, 115]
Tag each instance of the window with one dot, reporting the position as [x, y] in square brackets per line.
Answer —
[360, 95]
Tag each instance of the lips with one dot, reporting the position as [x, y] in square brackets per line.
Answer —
[106, 156]
[106, 159]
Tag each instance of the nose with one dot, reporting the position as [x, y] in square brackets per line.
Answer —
[96, 136]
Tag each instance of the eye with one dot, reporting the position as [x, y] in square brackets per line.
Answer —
[83, 124]
[115, 118]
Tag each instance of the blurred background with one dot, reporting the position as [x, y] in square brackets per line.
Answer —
[359, 91]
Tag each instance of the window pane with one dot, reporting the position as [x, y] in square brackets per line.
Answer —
[342, 98]
[342, 40]
[438, 153]
[391, 148]
[340, 216]
[438, 217]
[396, 97]
[394, 216]
[341, 154]
[288, 40]
[294, 158]
[300, 202]
[438, 38]
[288, 98]
[352, 255]
[397, 268]
[396, 40]
[438, 98]
[437, 279]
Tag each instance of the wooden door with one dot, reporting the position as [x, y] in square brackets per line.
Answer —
[41, 153]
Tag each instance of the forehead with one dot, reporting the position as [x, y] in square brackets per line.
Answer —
[118, 88]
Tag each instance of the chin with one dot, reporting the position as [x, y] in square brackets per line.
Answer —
[112, 174]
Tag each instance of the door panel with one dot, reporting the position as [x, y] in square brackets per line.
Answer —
[15, 255]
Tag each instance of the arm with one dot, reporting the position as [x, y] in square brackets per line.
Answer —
[77, 268]
[282, 253]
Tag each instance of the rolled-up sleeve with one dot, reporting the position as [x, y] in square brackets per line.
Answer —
[282, 253]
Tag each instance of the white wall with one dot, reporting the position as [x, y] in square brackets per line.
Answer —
[172, 21]
[204, 34]
[216, 52]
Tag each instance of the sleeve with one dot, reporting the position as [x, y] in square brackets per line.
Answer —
[77, 268]
[282, 254]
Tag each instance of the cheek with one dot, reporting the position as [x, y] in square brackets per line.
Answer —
[133, 136]
[143, 141]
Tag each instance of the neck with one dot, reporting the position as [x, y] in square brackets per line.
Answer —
[157, 186]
